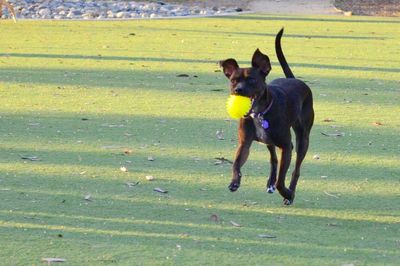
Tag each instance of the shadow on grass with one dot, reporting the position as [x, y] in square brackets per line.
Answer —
[199, 190]
[48, 73]
[272, 35]
[168, 131]
[310, 19]
[166, 164]
[184, 216]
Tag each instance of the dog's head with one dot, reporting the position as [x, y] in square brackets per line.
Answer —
[250, 81]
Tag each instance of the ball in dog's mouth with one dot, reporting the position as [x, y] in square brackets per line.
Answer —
[238, 106]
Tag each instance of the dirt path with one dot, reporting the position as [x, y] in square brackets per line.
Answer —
[305, 7]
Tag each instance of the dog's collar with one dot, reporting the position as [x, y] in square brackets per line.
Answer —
[260, 116]
[266, 109]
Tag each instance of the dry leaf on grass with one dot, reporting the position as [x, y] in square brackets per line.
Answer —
[113, 125]
[150, 178]
[266, 236]
[182, 76]
[88, 197]
[338, 134]
[328, 120]
[248, 203]
[235, 224]
[30, 158]
[160, 190]
[131, 184]
[127, 151]
[220, 135]
[214, 218]
[377, 123]
[50, 260]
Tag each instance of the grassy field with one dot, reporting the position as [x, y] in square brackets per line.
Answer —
[80, 100]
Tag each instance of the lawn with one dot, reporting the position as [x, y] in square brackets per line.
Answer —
[81, 101]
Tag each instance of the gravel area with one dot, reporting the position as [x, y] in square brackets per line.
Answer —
[107, 9]
[125, 9]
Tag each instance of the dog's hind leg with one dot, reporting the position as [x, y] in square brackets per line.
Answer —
[302, 140]
[274, 166]
[302, 131]
[287, 194]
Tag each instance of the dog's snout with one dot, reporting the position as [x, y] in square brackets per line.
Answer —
[238, 90]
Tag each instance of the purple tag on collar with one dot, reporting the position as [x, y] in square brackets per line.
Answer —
[264, 124]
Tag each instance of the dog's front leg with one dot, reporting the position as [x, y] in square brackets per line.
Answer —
[246, 134]
[271, 183]
[286, 157]
[242, 154]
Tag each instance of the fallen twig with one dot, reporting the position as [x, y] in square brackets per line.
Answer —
[331, 195]
[339, 134]
[223, 160]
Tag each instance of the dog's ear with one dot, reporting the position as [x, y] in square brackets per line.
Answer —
[261, 61]
[229, 66]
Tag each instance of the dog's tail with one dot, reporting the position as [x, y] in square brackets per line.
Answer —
[281, 57]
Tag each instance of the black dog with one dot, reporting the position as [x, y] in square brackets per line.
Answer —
[282, 104]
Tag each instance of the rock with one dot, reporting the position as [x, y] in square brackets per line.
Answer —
[110, 14]
[121, 14]
[70, 15]
[103, 9]
[44, 12]
[77, 13]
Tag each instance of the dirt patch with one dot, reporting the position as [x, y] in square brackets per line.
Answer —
[315, 7]
[370, 7]
[296, 7]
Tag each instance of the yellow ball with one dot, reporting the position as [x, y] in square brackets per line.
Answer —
[238, 106]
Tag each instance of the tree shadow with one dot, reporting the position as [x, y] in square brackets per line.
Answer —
[138, 216]
[312, 19]
[155, 80]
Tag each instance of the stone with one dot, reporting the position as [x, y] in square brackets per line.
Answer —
[121, 14]
[44, 12]
[103, 9]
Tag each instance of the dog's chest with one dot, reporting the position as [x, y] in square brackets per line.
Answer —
[262, 130]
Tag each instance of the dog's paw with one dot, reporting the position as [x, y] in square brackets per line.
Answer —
[271, 189]
[234, 186]
[287, 202]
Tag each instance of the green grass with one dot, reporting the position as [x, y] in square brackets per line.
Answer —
[77, 94]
